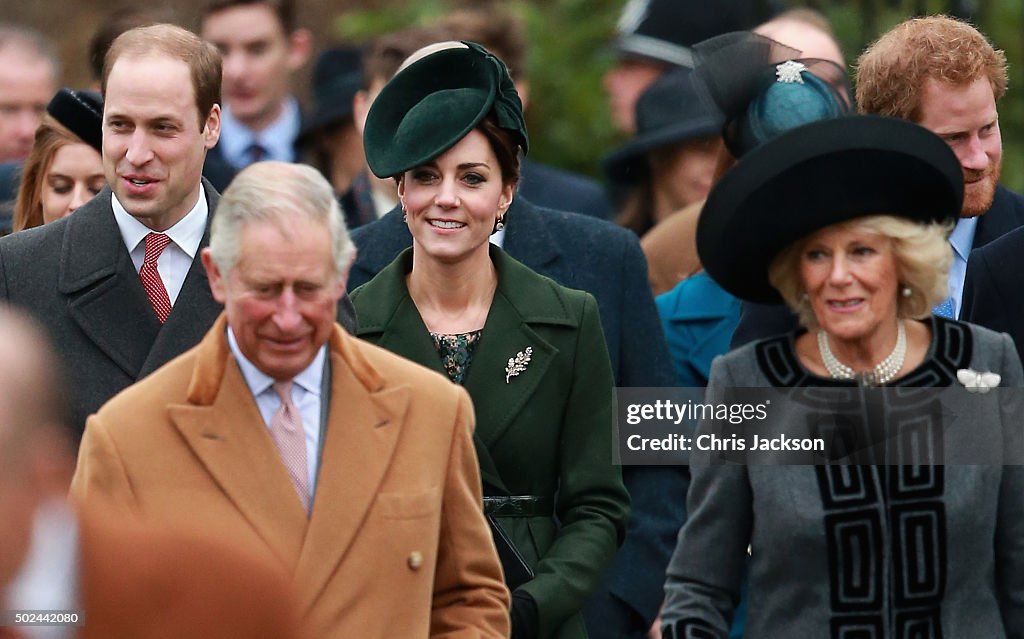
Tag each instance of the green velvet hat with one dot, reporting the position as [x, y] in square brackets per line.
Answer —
[434, 102]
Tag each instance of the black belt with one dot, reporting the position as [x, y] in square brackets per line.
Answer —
[519, 506]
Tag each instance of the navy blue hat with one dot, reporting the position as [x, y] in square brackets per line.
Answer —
[674, 109]
[664, 30]
[81, 112]
[816, 175]
[337, 77]
[431, 104]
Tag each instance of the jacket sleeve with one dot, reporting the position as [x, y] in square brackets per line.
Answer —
[705, 573]
[592, 504]
[100, 479]
[470, 597]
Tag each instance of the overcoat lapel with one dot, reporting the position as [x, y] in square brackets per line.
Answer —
[226, 432]
[498, 402]
[365, 422]
[105, 297]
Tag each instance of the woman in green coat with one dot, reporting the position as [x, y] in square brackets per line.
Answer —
[531, 354]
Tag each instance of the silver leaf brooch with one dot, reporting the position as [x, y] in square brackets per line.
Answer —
[789, 71]
[518, 363]
[976, 382]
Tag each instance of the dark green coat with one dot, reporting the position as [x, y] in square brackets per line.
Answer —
[548, 431]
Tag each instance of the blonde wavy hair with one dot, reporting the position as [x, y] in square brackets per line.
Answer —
[891, 73]
[923, 257]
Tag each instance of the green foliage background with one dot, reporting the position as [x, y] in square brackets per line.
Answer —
[568, 116]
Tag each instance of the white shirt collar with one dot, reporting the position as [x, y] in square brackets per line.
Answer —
[186, 234]
[278, 139]
[309, 379]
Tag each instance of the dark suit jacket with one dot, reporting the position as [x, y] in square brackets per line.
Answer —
[994, 285]
[606, 261]
[76, 278]
[562, 190]
[1006, 214]
[547, 430]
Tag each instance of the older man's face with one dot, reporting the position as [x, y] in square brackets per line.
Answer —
[281, 297]
[27, 83]
[965, 117]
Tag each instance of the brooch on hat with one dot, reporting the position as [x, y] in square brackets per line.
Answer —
[518, 363]
[976, 382]
[789, 71]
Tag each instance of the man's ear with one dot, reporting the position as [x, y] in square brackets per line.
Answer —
[213, 274]
[211, 132]
[300, 48]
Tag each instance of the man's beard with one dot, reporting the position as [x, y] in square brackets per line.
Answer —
[978, 197]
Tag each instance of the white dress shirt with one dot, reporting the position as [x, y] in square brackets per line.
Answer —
[175, 260]
[305, 394]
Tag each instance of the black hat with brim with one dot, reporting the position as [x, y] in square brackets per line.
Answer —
[81, 112]
[673, 110]
[817, 175]
[337, 78]
[436, 101]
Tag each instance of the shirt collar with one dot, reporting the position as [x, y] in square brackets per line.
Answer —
[186, 234]
[962, 237]
[278, 139]
[309, 379]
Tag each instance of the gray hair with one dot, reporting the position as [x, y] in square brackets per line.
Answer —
[276, 192]
[15, 36]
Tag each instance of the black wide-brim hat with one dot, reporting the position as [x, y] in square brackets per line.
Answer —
[337, 77]
[81, 112]
[674, 109]
[817, 175]
[434, 102]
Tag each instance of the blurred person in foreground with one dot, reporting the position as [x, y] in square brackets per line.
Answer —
[64, 169]
[449, 129]
[125, 581]
[351, 467]
[944, 75]
[817, 220]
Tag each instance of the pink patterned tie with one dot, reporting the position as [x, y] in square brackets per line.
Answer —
[150, 276]
[290, 437]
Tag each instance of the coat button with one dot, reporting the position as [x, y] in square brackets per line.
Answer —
[415, 560]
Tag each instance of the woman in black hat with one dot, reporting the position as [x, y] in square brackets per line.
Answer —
[670, 162]
[449, 127]
[64, 169]
[846, 220]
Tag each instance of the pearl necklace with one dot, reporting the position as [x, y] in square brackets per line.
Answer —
[882, 373]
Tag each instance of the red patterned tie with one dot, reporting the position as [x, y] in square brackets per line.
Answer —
[155, 245]
[290, 437]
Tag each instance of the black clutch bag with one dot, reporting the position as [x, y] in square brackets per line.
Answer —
[517, 571]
